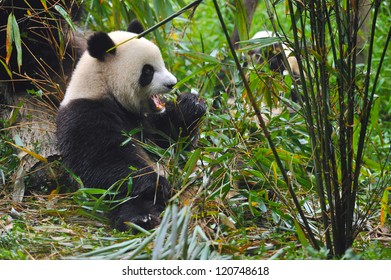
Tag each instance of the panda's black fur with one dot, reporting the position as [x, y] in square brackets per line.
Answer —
[135, 26]
[90, 135]
[99, 44]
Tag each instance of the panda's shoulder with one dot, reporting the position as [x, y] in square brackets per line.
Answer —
[94, 113]
[84, 108]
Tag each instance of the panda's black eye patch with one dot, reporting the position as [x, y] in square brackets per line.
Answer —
[146, 75]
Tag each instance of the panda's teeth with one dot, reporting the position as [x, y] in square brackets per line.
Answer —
[159, 105]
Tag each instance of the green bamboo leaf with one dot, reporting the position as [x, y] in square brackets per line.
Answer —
[116, 14]
[161, 235]
[385, 208]
[241, 20]
[175, 228]
[300, 234]
[6, 68]
[254, 173]
[147, 241]
[267, 95]
[44, 4]
[164, 8]
[255, 202]
[92, 191]
[16, 39]
[18, 141]
[191, 163]
[66, 16]
[15, 113]
[259, 43]
[9, 39]
[226, 221]
[200, 72]
[28, 151]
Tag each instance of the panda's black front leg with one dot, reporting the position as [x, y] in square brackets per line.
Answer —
[151, 186]
[150, 193]
[185, 115]
[181, 118]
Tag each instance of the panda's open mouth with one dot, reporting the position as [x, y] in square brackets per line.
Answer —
[156, 103]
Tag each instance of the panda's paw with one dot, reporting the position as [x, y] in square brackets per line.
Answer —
[191, 105]
[144, 213]
[146, 221]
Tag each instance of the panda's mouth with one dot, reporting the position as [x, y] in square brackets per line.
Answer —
[156, 104]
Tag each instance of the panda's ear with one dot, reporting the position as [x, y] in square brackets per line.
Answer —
[135, 27]
[99, 44]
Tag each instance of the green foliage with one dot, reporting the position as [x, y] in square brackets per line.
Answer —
[337, 98]
[375, 251]
[231, 196]
[9, 160]
[13, 38]
[170, 241]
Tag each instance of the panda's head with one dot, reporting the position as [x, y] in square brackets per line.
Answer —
[273, 54]
[121, 66]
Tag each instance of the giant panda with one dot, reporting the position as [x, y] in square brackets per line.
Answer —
[117, 87]
[274, 56]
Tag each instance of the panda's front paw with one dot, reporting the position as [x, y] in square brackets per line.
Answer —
[191, 105]
[144, 213]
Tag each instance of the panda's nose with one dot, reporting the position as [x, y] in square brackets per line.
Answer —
[170, 86]
[170, 80]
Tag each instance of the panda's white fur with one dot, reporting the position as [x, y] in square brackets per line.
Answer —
[126, 65]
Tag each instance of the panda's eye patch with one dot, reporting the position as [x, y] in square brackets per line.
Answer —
[146, 75]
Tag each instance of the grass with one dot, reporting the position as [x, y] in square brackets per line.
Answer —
[232, 201]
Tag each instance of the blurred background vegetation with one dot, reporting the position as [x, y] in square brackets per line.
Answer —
[234, 198]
